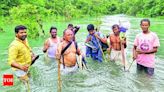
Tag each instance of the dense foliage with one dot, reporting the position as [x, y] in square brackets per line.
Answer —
[33, 12]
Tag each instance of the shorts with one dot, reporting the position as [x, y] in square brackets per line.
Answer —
[115, 55]
[22, 75]
[68, 70]
[148, 70]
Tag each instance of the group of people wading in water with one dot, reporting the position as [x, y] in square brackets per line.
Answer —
[65, 51]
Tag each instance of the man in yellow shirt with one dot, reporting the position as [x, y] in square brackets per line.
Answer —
[20, 54]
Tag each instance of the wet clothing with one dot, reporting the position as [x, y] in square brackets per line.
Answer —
[68, 70]
[52, 48]
[95, 53]
[115, 55]
[148, 70]
[146, 42]
[70, 52]
[19, 52]
[21, 74]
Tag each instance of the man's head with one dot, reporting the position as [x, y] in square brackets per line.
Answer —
[53, 32]
[20, 32]
[116, 29]
[70, 26]
[68, 35]
[90, 29]
[145, 23]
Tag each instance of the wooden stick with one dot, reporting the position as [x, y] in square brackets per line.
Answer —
[79, 61]
[25, 81]
[130, 65]
[123, 55]
[28, 86]
[101, 49]
[59, 77]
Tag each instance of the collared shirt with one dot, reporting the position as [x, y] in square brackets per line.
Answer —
[19, 52]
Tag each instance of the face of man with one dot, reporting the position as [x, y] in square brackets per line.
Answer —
[91, 32]
[116, 30]
[68, 36]
[53, 33]
[21, 34]
[144, 26]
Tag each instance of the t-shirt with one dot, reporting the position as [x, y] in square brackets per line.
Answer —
[146, 42]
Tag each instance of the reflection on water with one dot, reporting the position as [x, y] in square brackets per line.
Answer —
[100, 77]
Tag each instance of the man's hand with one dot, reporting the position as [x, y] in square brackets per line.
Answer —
[58, 56]
[88, 39]
[24, 68]
[135, 54]
[123, 42]
[109, 50]
[21, 67]
[134, 57]
[96, 35]
[138, 51]
[154, 50]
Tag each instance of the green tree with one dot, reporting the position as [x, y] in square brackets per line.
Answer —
[28, 15]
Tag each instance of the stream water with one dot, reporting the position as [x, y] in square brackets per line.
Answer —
[100, 77]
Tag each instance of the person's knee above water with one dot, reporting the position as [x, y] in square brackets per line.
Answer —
[67, 57]
[93, 48]
[19, 55]
[146, 44]
[51, 43]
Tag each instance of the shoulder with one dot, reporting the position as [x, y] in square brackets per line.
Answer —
[88, 35]
[14, 45]
[98, 33]
[111, 35]
[61, 44]
[59, 39]
[75, 43]
[154, 36]
[47, 40]
[153, 33]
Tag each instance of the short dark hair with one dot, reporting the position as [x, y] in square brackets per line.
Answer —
[53, 28]
[115, 26]
[90, 27]
[70, 25]
[146, 20]
[19, 27]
